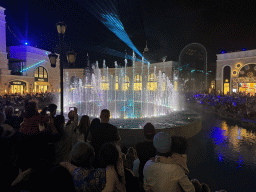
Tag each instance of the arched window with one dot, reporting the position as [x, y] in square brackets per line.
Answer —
[226, 79]
[41, 74]
[41, 80]
[126, 83]
[105, 83]
[152, 82]
[137, 82]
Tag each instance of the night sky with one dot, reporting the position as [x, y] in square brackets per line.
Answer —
[168, 26]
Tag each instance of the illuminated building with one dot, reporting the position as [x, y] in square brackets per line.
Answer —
[236, 72]
[26, 69]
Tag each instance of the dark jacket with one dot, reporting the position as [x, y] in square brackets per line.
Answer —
[145, 150]
[100, 134]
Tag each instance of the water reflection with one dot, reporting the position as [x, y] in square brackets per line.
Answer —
[234, 143]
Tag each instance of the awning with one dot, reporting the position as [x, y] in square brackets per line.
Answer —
[42, 83]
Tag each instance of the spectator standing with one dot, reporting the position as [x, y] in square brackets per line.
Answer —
[103, 133]
[63, 146]
[8, 171]
[95, 122]
[130, 158]
[85, 177]
[146, 150]
[169, 170]
[12, 120]
[83, 128]
[71, 125]
[32, 119]
[40, 174]
[7, 129]
[112, 161]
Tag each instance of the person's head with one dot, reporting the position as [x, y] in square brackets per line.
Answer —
[95, 122]
[162, 142]
[9, 111]
[179, 145]
[2, 118]
[82, 155]
[52, 108]
[167, 145]
[104, 116]
[131, 151]
[71, 115]
[59, 122]
[31, 109]
[109, 154]
[149, 131]
[84, 124]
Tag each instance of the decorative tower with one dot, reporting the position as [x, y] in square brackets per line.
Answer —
[146, 48]
[146, 53]
[3, 54]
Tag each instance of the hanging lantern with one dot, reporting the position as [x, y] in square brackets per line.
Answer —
[53, 59]
[71, 57]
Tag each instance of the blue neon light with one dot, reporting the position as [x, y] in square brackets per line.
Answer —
[32, 66]
[26, 43]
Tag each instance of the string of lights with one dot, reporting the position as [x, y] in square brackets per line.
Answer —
[32, 66]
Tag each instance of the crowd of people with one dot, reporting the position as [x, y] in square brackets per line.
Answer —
[236, 103]
[42, 152]
[17, 100]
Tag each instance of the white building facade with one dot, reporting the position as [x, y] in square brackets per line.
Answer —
[236, 72]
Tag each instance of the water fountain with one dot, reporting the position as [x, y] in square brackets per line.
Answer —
[133, 99]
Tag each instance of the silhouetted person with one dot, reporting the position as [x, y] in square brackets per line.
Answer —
[103, 133]
[12, 120]
[146, 150]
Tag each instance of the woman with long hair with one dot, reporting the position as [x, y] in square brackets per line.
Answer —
[83, 128]
[131, 156]
[111, 159]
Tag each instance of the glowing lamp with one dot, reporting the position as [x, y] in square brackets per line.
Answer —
[71, 57]
[61, 28]
[26, 43]
[53, 59]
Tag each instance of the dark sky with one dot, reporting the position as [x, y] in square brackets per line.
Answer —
[168, 26]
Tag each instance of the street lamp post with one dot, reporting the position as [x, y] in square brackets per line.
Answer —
[71, 56]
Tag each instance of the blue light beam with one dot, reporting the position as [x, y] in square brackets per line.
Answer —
[109, 51]
[105, 11]
[32, 66]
